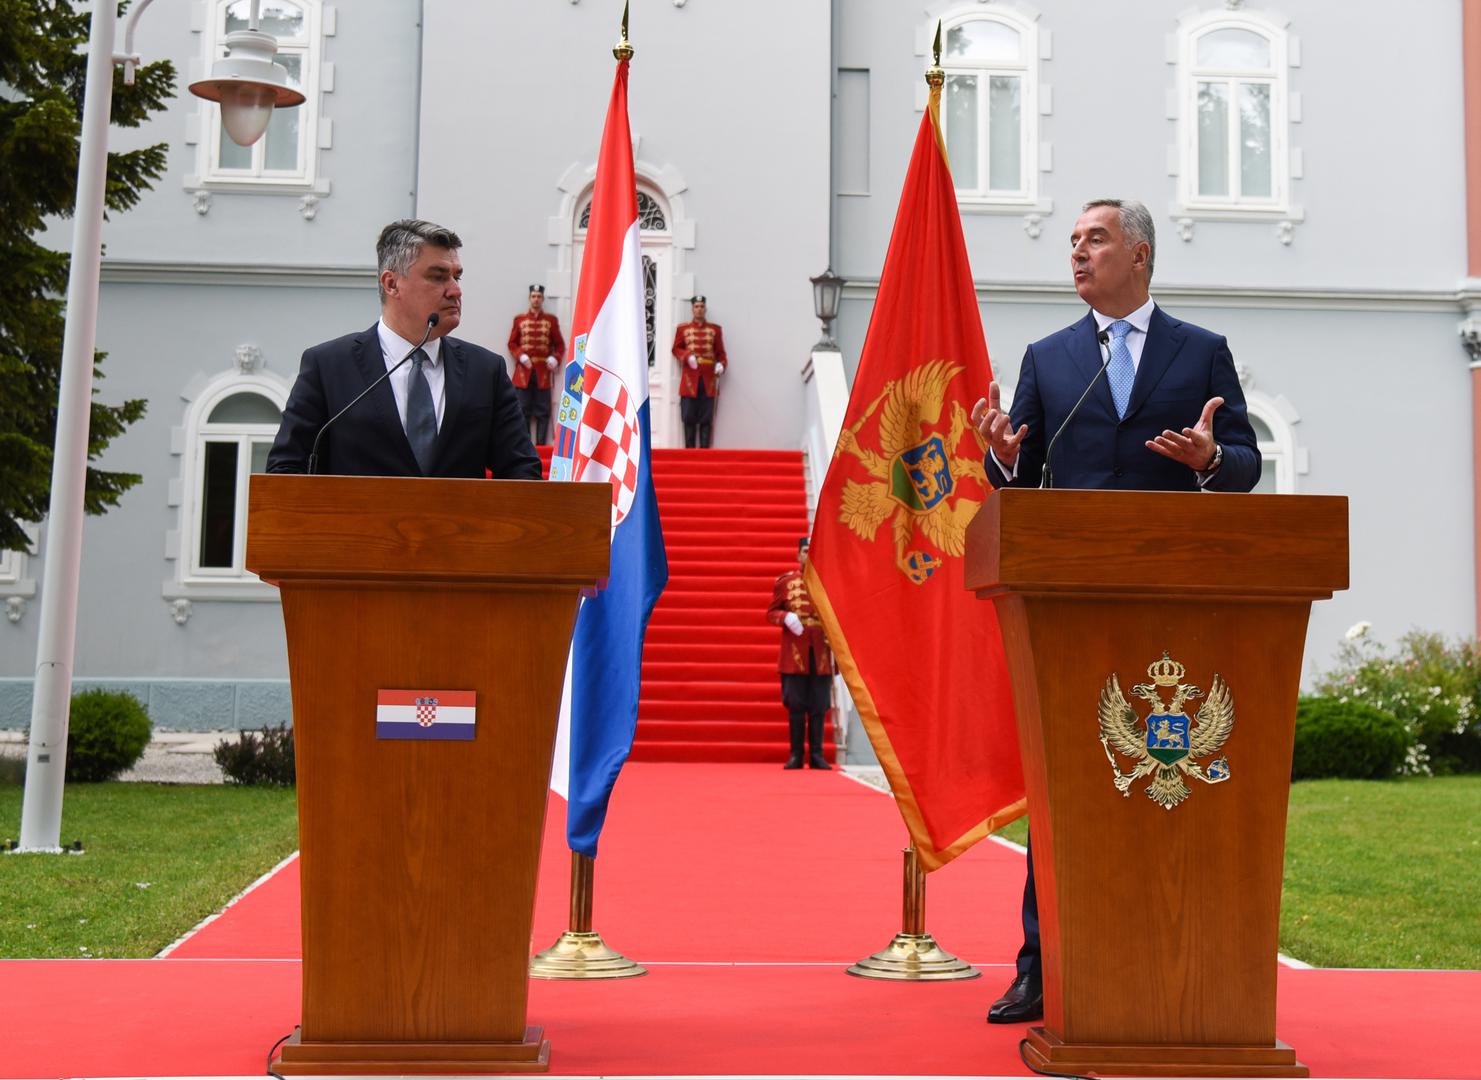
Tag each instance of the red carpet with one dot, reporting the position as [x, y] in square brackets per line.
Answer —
[746, 890]
[731, 522]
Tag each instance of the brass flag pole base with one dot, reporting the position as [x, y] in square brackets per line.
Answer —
[580, 952]
[913, 956]
[582, 955]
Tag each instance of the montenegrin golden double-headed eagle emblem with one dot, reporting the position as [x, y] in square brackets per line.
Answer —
[916, 474]
[1167, 742]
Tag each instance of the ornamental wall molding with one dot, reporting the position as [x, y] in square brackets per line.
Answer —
[267, 275]
[1221, 296]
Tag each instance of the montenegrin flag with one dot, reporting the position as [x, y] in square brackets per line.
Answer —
[602, 434]
[922, 656]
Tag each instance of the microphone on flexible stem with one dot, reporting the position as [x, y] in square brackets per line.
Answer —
[1047, 479]
[314, 450]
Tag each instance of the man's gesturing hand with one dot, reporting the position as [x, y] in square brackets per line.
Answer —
[994, 425]
[1194, 447]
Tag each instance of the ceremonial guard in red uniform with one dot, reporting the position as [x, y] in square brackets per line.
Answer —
[536, 345]
[699, 348]
[805, 664]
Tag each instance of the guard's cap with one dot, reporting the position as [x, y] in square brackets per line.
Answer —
[538, 288]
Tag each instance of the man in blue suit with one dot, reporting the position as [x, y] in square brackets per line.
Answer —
[450, 411]
[1167, 415]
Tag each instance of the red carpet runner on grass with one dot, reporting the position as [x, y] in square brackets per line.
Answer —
[731, 522]
[746, 890]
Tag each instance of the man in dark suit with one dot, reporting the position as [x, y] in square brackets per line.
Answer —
[1168, 415]
[450, 411]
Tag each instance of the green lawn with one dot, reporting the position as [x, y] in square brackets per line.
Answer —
[159, 859]
[1379, 874]
[1384, 874]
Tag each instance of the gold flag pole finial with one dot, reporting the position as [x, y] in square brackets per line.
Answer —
[623, 50]
[935, 75]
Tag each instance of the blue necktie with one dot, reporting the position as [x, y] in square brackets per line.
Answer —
[1119, 372]
[421, 416]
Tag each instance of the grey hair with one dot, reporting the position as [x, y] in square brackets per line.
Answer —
[1136, 223]
[401, 243]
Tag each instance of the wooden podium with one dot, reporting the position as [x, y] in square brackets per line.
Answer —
[1159, 924]
[419, 856]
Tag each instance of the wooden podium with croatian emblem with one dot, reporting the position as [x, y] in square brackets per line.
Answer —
[1154, 642]
[426, 652]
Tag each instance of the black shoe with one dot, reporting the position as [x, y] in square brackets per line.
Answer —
[1021, 1002]
[817, 761]
[793, 762]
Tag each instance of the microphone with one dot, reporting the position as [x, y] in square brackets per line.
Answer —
[1047, 479]
[314, 450]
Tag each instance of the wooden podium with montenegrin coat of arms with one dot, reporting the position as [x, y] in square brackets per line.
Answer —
[1154, 642]
[426, 652]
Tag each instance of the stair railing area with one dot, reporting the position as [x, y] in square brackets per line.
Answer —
[825, 390]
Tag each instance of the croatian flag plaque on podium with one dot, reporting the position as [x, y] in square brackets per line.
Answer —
[425, 714]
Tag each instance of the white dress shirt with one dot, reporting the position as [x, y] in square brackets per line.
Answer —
[393, 348]
[1136, 337]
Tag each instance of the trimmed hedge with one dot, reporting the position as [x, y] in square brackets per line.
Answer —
[264, 757]
[107, 732]
[1347, 739]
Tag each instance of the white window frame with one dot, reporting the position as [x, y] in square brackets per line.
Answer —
[1027, 69]
[14, 566]
[1234, 206]
[1281, 450]
[318, 78]
[234, 582]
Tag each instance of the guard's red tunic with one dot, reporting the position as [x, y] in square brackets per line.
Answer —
[704, 342]
[790, 594]
[538, 337]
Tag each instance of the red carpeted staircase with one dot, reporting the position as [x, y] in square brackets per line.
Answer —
[731, 521]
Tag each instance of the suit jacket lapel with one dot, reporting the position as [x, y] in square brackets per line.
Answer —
[1084, 350]
[372, 364]
[1164, 338]
[454, 376]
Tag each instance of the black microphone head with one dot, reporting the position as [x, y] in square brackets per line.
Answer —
[1104, 337]
[432, 319]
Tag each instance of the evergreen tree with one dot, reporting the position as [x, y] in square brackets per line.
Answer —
[43, 71]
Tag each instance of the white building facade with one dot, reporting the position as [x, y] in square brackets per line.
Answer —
[1310, 190]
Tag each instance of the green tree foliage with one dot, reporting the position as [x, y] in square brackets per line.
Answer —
[43, 69]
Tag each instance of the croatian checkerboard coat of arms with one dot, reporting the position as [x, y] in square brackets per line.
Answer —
[916, 475]
[1168, 742]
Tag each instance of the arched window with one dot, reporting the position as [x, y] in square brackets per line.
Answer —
[657, 239]
[1235, 113]
[989, 110]
[286, 155]
[228, 432]
[1282, 459]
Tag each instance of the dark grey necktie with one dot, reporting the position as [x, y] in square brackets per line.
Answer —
[421, 415]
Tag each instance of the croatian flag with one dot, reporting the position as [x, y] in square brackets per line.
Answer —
[602, 434]
[425, 714]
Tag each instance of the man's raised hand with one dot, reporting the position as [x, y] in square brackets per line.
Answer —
[994, 425]
[1193, 446]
